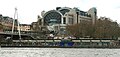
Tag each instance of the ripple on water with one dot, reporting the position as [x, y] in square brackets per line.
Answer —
[58, 52]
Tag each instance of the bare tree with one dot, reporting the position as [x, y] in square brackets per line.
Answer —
[102, 29]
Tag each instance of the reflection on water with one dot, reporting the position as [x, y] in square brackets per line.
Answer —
[58, 52]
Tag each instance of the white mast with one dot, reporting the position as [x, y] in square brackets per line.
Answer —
[16, 17]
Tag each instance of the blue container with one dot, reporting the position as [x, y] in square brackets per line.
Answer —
[70, 44]
[62, 44]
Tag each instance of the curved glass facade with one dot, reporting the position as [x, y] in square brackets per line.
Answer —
[52, 17]
[63, 11]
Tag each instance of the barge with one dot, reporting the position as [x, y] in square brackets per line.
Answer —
[63, 43]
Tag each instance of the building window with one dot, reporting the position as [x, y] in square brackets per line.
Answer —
[70, 20]
[64, 20]
[40, 22]
[89, 15]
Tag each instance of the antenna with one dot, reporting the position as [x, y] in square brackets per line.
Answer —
[16, 17]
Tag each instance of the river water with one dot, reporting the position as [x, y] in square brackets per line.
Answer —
[58, 52]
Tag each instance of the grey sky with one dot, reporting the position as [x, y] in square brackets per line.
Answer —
[29, 9]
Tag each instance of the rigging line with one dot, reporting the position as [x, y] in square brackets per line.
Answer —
[18, 26]
[13, 24]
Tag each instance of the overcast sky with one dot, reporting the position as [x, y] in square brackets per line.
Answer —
[29, 9]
